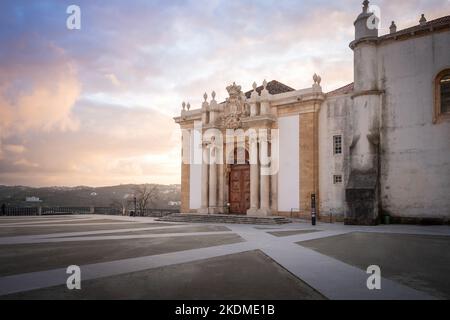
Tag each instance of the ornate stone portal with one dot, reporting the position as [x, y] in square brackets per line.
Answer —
[239, 149]
[229, 178]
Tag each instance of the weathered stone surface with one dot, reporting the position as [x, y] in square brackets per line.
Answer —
[361, 197]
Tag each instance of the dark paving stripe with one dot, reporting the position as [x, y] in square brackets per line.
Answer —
[15, 220]
[169, 230]
[249, 275]
[418, 261]
[23, 258]
[291, 233]
[21, 231]
[72, 222]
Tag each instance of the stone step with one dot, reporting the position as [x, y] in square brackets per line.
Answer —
[219, 218]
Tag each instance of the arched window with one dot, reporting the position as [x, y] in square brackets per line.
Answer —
[442, 96]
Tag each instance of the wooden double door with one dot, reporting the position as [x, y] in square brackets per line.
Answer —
[239, 189]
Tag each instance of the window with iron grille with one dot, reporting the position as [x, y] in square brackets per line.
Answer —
[337, 179]
[442, 97]
[337, 144]
[445, 93]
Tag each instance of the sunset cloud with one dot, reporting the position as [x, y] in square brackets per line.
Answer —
[38, 87]
[95, 106]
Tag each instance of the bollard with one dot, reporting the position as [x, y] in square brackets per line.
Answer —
[313, 209]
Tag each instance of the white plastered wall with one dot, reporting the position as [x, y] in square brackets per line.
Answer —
[289, 159]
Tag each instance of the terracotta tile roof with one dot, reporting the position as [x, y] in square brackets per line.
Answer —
[432, 25]
[274, 87]
[343, 90]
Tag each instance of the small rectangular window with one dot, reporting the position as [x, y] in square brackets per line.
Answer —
[337, 145]
[337, 179]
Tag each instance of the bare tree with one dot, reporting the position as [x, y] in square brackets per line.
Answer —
[146, 195]
[121, 204]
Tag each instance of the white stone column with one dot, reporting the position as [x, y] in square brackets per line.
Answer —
[205, 174]
[221, 204]
[213, 181]
[220, 178]
[254, 177]
[265, 178]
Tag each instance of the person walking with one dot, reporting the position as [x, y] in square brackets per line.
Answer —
[3, 209]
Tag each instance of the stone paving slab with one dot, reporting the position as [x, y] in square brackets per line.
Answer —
[24, 258]
[248, 275]
[418, 261]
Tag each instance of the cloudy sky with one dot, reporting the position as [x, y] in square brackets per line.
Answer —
[95, 106]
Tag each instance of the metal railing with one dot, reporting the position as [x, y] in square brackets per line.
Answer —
[20, 211]
[65, 210]
[37, 211]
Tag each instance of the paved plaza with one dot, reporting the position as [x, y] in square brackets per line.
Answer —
[142, 258]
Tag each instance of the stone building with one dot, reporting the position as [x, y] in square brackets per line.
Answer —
[378, 146]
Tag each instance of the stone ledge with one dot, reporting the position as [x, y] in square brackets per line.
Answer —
[222, 218]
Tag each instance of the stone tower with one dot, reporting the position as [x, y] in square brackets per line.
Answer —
[363, 187]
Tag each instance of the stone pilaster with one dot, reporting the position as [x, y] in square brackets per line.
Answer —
[205, 179]
[264, 178]
[309, 163]
[185, 170]
[213, 181]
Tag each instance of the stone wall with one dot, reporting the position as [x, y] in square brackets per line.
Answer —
[415, 154]
[334, 119]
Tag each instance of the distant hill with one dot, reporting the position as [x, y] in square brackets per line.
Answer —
[83, 196]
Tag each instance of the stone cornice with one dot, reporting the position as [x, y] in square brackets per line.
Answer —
[367, 93]
[259, 121]
[373, 40]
